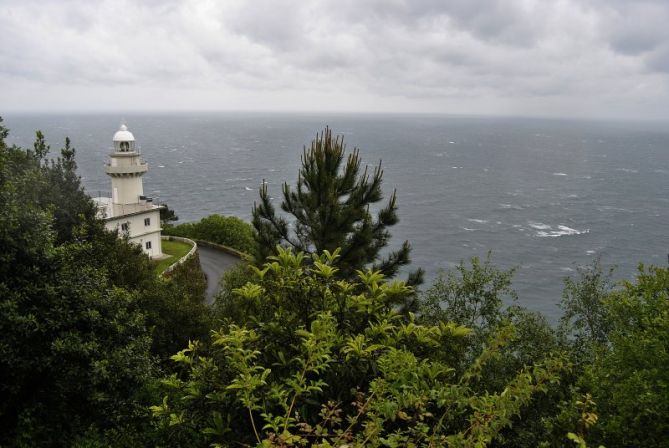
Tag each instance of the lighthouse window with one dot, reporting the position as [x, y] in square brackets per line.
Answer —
[147, 221]
[148, 244]
[125, 146]
[125, 226]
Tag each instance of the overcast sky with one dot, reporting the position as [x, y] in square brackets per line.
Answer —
[569, 58]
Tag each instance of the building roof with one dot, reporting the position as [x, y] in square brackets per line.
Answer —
[107, 210]
[123, 135]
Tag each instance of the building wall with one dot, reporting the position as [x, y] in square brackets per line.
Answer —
[127, 190]
[126, 160]
[138, 232]
[154, 239]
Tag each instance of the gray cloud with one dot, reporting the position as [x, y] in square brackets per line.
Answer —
[638, 29]
[471, 56]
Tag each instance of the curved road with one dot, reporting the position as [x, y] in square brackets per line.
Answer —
[214, 263]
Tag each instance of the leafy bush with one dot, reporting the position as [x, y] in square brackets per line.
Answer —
[629, 378]
[175, 308]
[585, 319]
[328, 362]
[480, 297]
[226, 230]
[226, 303]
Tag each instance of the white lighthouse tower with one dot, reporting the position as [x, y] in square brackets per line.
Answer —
[126, 169]
[128, 210]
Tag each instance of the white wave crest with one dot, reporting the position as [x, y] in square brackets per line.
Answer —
[560, 231]
[511, 206]
[539, 225]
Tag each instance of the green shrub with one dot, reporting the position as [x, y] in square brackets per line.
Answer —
[175, 308]
[327, 362]
[629, 378]
[226, 304]
[226, 230]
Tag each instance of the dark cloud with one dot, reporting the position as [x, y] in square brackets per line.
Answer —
[273, 23]
[637, 29]
[659, 59]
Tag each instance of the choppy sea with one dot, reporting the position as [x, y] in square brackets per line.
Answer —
[542, 195]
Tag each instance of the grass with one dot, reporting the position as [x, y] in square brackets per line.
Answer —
[175, 249]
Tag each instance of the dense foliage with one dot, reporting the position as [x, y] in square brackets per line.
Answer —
[83, 319]
[478, 296]
[629, 377]
[330, 208]
[226, 230]
[330, 362]
[176, 309]
[167, 216]
[74, 348]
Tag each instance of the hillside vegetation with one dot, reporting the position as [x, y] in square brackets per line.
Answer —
[225, 230]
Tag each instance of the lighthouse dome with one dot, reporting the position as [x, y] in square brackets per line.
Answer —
[124, 135]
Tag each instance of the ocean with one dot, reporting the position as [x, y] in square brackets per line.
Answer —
[544, 196]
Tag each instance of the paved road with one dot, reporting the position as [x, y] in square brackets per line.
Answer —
[214, 264]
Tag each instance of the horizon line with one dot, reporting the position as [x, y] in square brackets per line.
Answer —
[325, 112]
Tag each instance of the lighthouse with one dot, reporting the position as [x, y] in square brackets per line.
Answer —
[126, 169]
[127, 209]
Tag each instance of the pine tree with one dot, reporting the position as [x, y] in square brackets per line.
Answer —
[167, 215]
[331, 209]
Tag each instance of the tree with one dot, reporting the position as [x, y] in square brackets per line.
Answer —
[351, 371]
[618, 343]
[331, 209]
[175, 309]
[585, 318]
[167, 215]
[83, 317]
[71, 206]
[472, 296]
[74, 350]
[4, 133]
[82, 313]
[58, 187]
[480, 296]
[226, 230]
[629, 377]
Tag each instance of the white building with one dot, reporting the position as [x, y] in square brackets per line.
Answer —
[128, 210]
